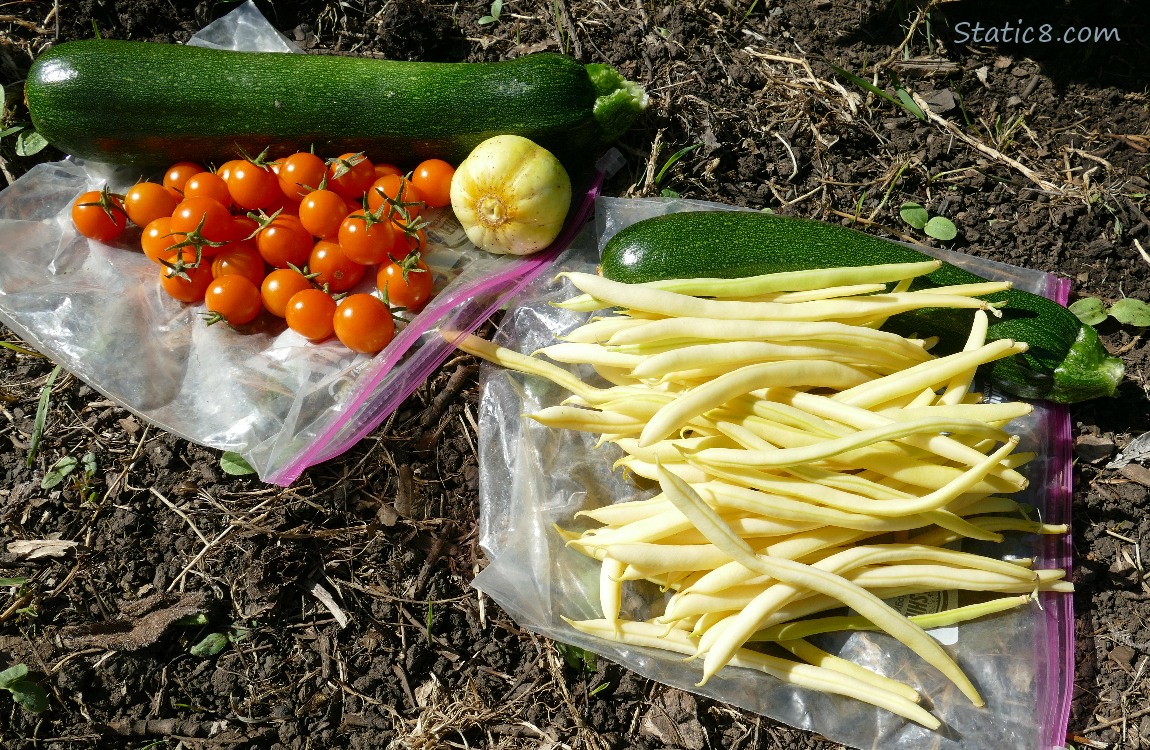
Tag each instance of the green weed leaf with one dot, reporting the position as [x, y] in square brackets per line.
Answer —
[29, 695]
[941, 228]
[671, 161]
[577, 658]
[30, 143]
[24, 691]
[17, 581]
[1131, 312]
[1090, 310]
[496, 11]
[211, 645]
[15, 673]
[234, 464]
[59, 472]
[914, 214]
[41, 416]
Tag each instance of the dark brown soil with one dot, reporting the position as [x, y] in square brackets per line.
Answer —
[384, 537]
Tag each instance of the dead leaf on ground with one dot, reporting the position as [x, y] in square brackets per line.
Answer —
[142, 625]
[34, 549]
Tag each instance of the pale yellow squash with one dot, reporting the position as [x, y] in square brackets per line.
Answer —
[511, 195]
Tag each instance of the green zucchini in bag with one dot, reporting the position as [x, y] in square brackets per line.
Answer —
[1066, 362]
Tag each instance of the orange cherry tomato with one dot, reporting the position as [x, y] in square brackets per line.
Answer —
[383, 168]
[279, 287]
[177, 176]
[332, 268]
[301, 173]
[226, 168]
[240, 259]
[253, 186]
[233, 298]
[350, 175]
[366, 244]
[432, 178]
[204, 216]
[311, 314]
[182, 278]
[408, 241]
[407, 284]
[157, 239]
[99, 215]
[363, 323]
[397, 197]
[322, 211]
[146, 201]
[208, 185]
[284, 242]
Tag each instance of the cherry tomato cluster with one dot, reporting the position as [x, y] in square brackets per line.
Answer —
[290, 237]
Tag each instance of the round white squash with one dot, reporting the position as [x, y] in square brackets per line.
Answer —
[511, 195]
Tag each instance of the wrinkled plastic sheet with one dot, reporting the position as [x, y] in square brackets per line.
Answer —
[533, 477]
[280, 401]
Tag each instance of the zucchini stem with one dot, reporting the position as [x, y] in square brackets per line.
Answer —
[617, 101]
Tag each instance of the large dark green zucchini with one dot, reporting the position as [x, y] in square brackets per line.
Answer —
[151, 103]
[1066, 361]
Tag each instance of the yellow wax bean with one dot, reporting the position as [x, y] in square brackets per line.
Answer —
[513, 360]
[589, 354]
[809, 578]
[610, 589]
[637, 297]
[653, 635]
[829, 448]
[816, 656]
[723, 356]
[840, 623]
[793, 281]
[959, 386]
[978, 289]
[1000, 412]
[600, 330]
[927, 374]
[697, 330]
[811, 295]
[861, 418]
[648, 469]
[743, 380]
[944, 577]
[587, 420]
[668, 450]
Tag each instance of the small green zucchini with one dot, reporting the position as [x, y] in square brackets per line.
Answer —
[1065, 363]
[153, 103]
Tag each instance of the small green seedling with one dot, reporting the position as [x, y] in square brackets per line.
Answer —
[41, 416]
[938, 227]
[902, 97]
[234, 464]
[28, 694]
[668, 192]
[1127, 311]
[577, 658]
[28, 141]
[493, 17]
[214, 643]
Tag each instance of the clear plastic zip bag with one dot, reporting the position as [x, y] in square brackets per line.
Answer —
[533, 478]
[283, 403]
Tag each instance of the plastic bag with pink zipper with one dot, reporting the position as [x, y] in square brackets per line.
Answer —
[281, 402]
[534, 478]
